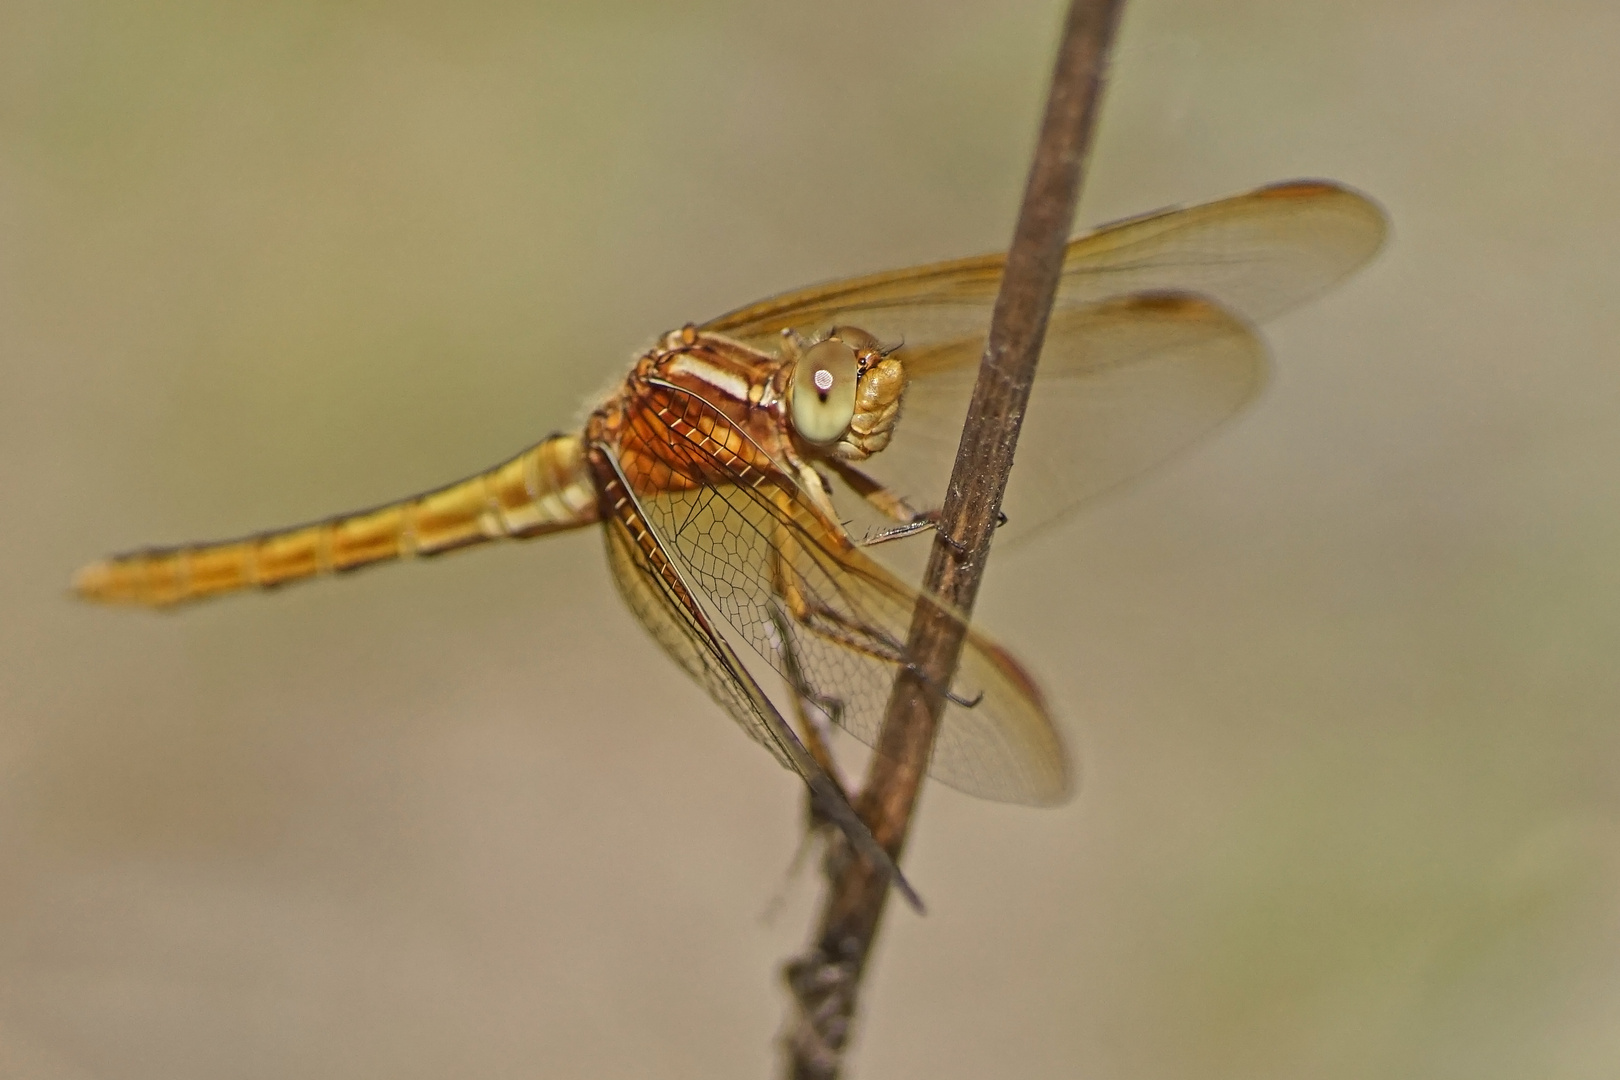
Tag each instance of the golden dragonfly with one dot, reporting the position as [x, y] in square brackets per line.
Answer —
[728, 470]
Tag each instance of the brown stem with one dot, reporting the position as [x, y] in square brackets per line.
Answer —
[825, 979]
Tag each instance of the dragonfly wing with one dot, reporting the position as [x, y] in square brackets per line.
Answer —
[1256, 254]
[665, 608]
[769, 562]
[1122, 385]
[683, 638]
[1004, 746]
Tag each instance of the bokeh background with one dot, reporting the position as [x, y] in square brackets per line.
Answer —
[1344, 680]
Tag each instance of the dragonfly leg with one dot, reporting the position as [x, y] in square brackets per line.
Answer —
[826, 623]
[832, 625]
[893, 506]
[922, 522]
[928, 519]
[815, 712]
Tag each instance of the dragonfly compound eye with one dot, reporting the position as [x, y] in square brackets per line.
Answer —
[823, 392]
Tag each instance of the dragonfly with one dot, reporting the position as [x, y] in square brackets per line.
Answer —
[729, 471]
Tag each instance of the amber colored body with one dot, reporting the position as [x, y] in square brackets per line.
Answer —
[542, 490]
[715, 490]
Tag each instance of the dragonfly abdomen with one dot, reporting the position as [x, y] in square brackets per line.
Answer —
[545, 489]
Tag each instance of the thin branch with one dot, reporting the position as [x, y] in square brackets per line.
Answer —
[825, 980]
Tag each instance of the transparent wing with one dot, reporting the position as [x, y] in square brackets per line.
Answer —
[1149, 347]
[1122, 386]
[769, 562]
[1255, 254]
[673, 628]
[661, 603]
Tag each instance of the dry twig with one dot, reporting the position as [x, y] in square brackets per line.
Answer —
[825, 980]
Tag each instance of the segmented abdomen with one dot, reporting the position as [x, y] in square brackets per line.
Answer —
[545, 489]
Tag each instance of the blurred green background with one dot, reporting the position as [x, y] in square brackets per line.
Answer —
[1344, 680]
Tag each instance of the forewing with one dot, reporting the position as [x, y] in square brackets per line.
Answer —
[1122, 385]
[767, 560]
[1255, 254]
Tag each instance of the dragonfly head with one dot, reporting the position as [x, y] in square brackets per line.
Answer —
[844, 393]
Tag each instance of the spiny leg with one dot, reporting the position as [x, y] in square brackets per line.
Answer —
[892, 505]
[824, 621]
[815, 712]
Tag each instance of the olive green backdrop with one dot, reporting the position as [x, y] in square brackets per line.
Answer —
[1345, 680]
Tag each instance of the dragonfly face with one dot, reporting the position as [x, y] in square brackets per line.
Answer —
[724, 468]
